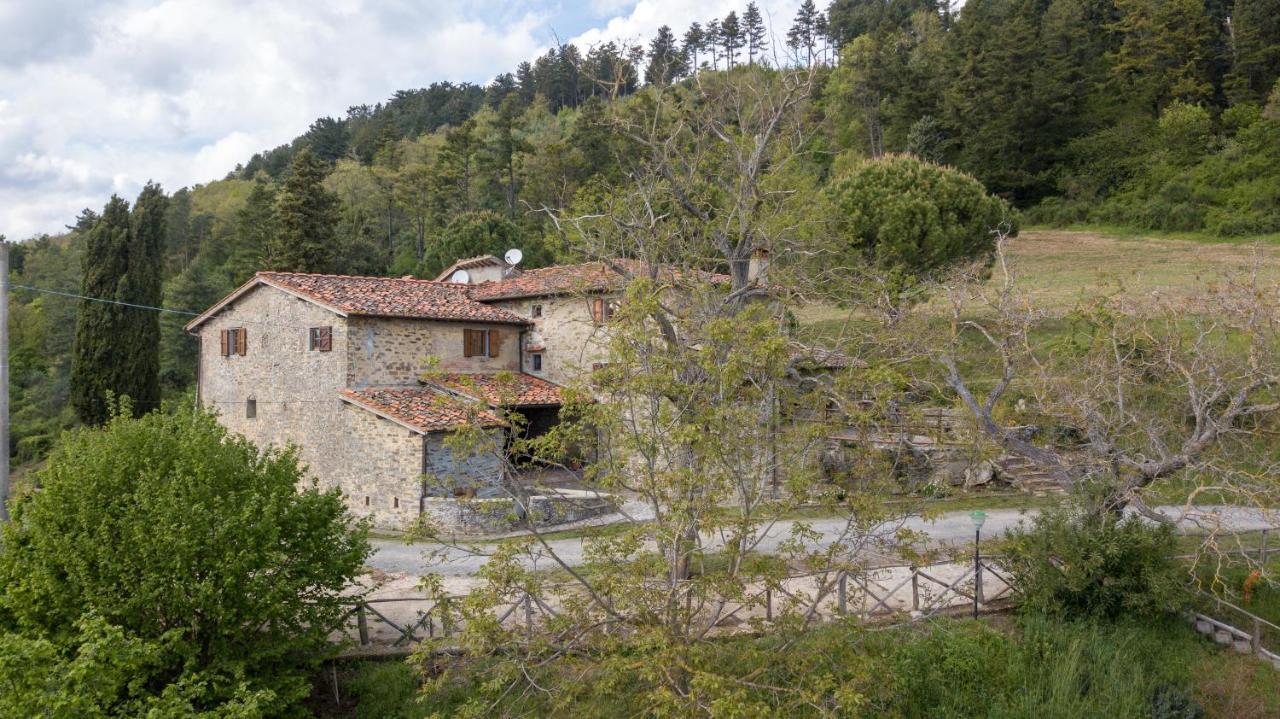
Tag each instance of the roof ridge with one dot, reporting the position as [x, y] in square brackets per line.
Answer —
[357, 277]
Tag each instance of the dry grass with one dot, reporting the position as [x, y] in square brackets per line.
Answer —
[1059, 267]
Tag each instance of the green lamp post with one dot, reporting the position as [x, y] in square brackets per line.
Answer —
[977, 517]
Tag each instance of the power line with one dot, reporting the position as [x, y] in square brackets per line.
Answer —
[106, 301]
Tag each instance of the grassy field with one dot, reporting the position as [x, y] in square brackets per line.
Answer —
[1059, 267]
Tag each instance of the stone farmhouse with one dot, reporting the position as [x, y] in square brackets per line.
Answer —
[352, 370]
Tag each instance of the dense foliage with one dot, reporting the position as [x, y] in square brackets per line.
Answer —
[164, 564]
[1040, 667]
[117, 346]
[1132, 112]
[910, 218]
[1084, 564]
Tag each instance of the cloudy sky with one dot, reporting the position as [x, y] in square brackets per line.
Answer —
[98, 97]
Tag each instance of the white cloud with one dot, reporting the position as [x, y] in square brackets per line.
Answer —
[99, 97]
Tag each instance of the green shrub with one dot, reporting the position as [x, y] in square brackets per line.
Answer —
[215, 565]
[384, 690]
[911, 218]
[1077, 564]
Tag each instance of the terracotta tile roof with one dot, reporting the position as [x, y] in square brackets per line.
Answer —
[469, 263]
[500, 389]
[567, 279]
[391, 297]
[421, 408]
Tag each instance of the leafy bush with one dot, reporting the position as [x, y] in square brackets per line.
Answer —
[215, 567]
[912, 218]
[1083, 564]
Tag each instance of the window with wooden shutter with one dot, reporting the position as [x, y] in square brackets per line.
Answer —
[234, 341]
[321, 339]
[597, 310]
[468, 343]
[494, 340]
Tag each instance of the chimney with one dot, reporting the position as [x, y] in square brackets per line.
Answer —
[758, 267]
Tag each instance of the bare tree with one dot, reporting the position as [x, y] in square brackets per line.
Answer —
[1138, 392]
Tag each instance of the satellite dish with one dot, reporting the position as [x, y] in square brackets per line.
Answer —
[513, 256]
[461, 277]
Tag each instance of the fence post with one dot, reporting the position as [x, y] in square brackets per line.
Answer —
[1262, 553]
[362, 624]
[842, 593]
[528, 614]
[1255, 641]
[915, 590]
[768, 604]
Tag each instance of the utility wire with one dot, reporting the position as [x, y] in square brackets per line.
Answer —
[105, 301]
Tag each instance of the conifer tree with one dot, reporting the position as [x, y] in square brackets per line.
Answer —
[666, 62]
[802, 37]
[753, 33]
[730, 38]
[1255, 26]
[117, 347]
[255, 229]
[307, 214]
[693, 41]
[711, 41]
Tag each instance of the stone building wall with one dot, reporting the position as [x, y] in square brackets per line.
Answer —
[572, 339]
[295, 388]
[381, 471]
[448, 473]
[383, 351]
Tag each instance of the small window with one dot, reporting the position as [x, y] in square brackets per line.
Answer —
[234, 341]
[479, 343]
[602, 310]
[320, 339]
[536, 360]
[366, 500]
[251, 408]
[395, 503]
[536, 311]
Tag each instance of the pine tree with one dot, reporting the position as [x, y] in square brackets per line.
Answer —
[117, 347]
[256, 227]
[802, 37]
[753, 33]
[1166, 52]
[731, 38]
[693, 40]
[1255, 26]
[499, 155]
[666, 62]
[455, 168]
[307, 214]
[711, 41]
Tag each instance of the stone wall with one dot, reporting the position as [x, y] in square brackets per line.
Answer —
[572, 339]
[295, 389]
[384, 351]
[503, 514]
[448, 473]
[381, 472]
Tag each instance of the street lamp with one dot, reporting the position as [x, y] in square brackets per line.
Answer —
[977, 517]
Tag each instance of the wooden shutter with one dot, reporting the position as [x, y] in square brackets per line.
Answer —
[495, 342]
[242, 340]
[468, 343]
[597, 310]
[225, 337]
[326, 339]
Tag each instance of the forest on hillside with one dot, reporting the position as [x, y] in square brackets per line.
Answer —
[1154, 114]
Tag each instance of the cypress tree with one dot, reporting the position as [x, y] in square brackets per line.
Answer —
[307, 214]
[117, 348]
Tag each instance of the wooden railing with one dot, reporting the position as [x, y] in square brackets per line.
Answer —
[391, 626]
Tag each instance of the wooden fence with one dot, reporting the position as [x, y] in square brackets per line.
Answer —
[392, 626]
